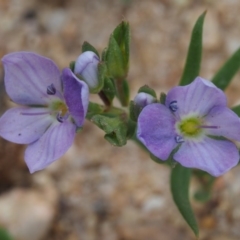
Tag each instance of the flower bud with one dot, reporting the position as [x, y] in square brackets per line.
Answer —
[87, 67]
[142, 99]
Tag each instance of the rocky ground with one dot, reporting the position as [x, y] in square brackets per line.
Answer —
[97, 191]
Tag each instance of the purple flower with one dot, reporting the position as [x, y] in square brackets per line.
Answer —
[52, 107]
[194, 116]
[142, 99]
[87, 67]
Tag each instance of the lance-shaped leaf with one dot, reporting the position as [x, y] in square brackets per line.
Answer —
[114, 59]
[225, 74]
[180, 179]
[122, 35]
[180, 176]
[4, 235]
[193, 62]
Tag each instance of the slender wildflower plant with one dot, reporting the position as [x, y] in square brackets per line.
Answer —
[190, 127]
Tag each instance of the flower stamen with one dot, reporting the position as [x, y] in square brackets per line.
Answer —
[62, 118]
[179, 139]
[173, 106]
[51, 90]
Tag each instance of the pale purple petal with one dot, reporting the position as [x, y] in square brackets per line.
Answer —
[76, 94]
[156, 130]
[196, 98]
[143, 99]
[87, 66]
[27, 76]
[51, 146]
[213, 156]
[24, 125]
[226, 121]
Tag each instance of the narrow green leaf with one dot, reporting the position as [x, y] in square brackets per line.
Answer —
[122, 35]
[193, 62]
[236, 109]
[180, 179]
[114, 59]
[225, 74]
[4, 235]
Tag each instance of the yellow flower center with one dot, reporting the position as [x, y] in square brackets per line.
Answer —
[59, 107]
[190, 127]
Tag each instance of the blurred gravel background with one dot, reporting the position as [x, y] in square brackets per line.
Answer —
[97, 191]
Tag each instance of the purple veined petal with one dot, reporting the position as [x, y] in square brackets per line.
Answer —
[87, 66]
[226, 120]
[51, 146]
[156, 130]
[213, 156]
[198, 97]
[24, 125]
[27, 76]
[76, 94]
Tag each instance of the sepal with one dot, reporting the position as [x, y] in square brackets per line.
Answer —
[88, 47]
[109, 89]
[131, 126]
[114, 127]
[134, 111]
[163, 98]
[156, 159]
[102, 72]
[94, 109]
[72, 65]
[148, 90]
